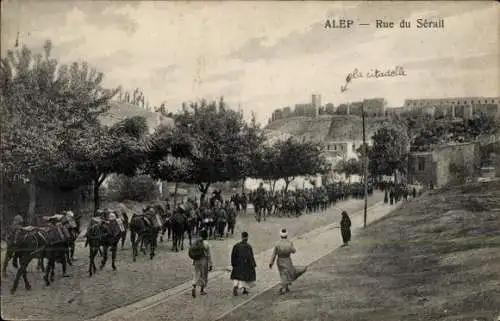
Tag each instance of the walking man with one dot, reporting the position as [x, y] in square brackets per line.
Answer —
[288, 272]
[243, 263]
[202, 262]
[220, 219]
[345, 228]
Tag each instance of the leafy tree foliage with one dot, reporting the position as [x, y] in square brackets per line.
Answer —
[389, 153]
[100, 151]
[44, 105]
[134, 97]
[350, 167]
[430, 132]
[138, 188]
[41, 100]
[220, 146]
[290, 158]
[51, 130]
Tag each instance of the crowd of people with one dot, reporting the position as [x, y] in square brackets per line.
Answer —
[243, 264]
[295, 203]
[210, 219]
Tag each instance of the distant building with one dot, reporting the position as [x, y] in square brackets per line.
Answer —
[300, 109]
[287, 112]
[394, 111]
[329, 109]
[316, 103]
[343, 109]
[344, 149]
[463, 107]
[356, 108]
[277, 114]
[449, 164]
[375, 107]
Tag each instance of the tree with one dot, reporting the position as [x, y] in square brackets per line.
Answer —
[289, 159]
[350, 167]
[266, 165]
[101, 151]
[220, 146]
[43, 102]
[425, 132]
[389, 153]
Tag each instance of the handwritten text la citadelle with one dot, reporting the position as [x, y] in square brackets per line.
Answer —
[397, 71]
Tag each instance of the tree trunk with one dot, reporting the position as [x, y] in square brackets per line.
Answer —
[98, 180]
[287, 182]
[176, 188]
[96, 196]
[160, 189]
[243, 185]
[32, 200]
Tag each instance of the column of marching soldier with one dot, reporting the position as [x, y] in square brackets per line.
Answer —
[54, 237]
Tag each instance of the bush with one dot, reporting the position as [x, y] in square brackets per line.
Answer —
[138, 188]
[461, 173]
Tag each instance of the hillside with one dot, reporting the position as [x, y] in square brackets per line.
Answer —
[436, 258]
[336, 127]
[311, 128]
[351, 128]
[120, 111]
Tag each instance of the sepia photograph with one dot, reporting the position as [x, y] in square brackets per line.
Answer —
[250, 160]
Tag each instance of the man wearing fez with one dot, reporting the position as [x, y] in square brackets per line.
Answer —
[243, 263]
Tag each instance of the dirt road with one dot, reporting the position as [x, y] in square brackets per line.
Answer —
[80, 297]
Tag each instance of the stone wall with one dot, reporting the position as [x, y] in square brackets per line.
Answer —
[426, 175]
[445, 165]
[456, 163]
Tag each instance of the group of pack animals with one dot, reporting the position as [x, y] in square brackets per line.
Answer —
[55, 239]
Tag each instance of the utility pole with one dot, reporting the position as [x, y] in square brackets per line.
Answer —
[365, 163]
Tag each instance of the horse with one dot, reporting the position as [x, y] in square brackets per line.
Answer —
[13, 239]
[144, 229]
[31, 242]
[27, 243]
[55, 251]
[122, 215]
[105, 234]
[179, 224]
[166, 226]
[60, 242]
[69, 228]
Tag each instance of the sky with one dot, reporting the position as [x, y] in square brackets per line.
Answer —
[266, 55]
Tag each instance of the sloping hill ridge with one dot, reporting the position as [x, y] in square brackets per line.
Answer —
[351, 128]
[119, 111]
[311, 128]
[322, 128]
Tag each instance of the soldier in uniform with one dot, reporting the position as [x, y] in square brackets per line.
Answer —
[220, 219]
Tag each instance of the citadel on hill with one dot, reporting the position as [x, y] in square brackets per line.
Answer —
[339, 129]
[461, 107]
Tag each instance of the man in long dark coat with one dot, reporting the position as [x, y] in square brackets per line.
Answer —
[243, 263]
[345, 228]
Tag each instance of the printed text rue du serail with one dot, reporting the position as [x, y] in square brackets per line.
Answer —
[385, 24]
